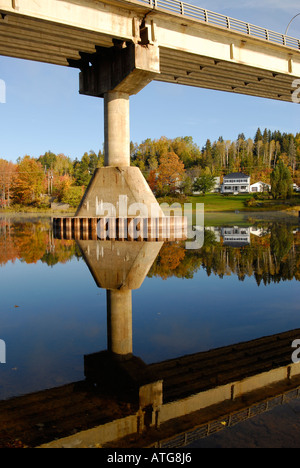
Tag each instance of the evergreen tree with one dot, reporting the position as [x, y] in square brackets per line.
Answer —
[281, 181]
[258, 136]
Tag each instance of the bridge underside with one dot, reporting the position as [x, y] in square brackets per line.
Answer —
[34, 39]
[43, 41]
[203, 72]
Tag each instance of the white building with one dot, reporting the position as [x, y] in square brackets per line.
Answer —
[260, 187]
[258, 232]
[235, 183]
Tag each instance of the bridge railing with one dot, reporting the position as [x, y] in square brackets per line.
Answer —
[217, 19]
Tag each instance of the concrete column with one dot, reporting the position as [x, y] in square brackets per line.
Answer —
[116, 129]
[119, 323]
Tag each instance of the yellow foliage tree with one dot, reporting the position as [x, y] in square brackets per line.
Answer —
[170, 174]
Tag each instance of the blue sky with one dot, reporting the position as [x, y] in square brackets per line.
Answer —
[44, 111]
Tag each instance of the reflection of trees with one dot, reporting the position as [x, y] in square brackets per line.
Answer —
[281, 241]
[32, 242]
[174, 261]
[271, 258]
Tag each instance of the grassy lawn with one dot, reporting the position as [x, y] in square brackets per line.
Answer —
[214, 202]
[217, 202]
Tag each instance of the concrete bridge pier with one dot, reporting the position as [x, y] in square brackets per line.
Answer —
[116, 129]
[115, 74]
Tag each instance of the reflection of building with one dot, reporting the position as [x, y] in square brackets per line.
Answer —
[235, 183]
[236, 236]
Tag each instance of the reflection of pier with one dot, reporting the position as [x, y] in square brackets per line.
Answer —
[124, 402]
[196, 396]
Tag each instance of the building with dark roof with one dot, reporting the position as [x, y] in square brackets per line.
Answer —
[236, 183]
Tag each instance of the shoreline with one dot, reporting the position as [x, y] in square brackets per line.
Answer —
[250, 212]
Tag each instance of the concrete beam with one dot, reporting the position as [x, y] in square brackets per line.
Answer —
[91, 16]
[127, 68]
[23, 25]
[36, 56]
[48, 38]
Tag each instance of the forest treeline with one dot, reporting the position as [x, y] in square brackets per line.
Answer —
[164, 162]
[271, 258]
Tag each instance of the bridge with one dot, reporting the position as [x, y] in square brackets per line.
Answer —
[193, 46]
[120, 46]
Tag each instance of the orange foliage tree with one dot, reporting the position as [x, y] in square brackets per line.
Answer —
[62, 186]
[170, 174]
[152, 181]
[29, 182]
[7, 173]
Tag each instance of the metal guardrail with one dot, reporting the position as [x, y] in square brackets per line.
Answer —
[201, 14]
[205, 430]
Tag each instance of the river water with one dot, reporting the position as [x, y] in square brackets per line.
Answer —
[242, 285]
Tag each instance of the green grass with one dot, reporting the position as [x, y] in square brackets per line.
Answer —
[214, 202]
[217, 202]
[30, 209]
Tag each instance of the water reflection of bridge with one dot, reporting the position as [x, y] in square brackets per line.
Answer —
[124, 402]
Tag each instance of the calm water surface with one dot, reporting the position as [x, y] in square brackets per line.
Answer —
[243, 284]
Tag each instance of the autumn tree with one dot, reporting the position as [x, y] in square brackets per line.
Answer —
[62, 186]
[170, 174]
[63, 165]
[29, 182]
[152, 181]
[7, 174]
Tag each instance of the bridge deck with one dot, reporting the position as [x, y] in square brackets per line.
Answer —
[197, 47]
